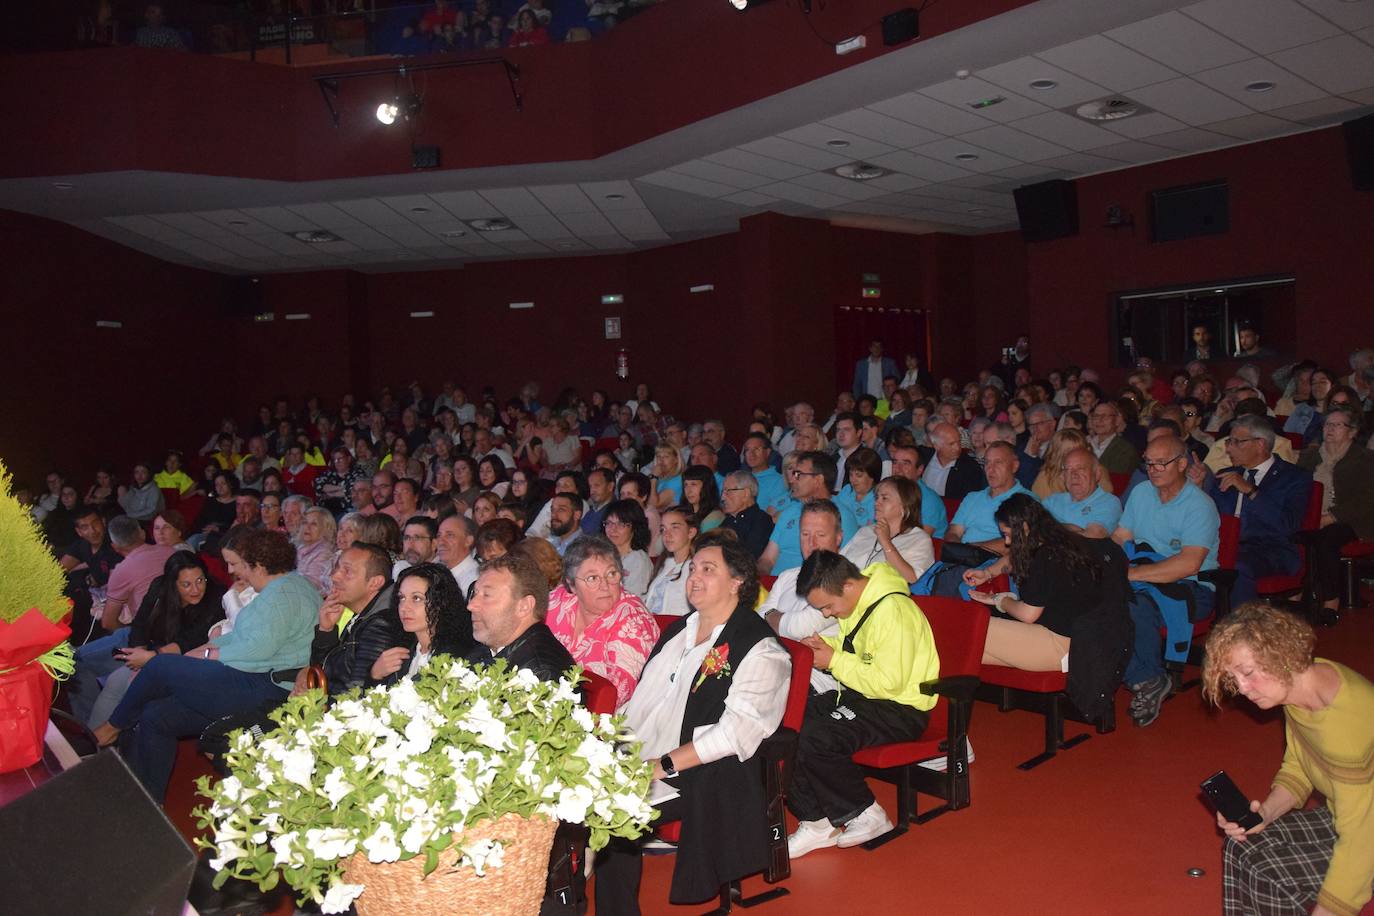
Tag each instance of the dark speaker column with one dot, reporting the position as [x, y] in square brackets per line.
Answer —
[1048, 210]
[1359, 149]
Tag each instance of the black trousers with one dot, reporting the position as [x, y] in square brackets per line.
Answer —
[826, 782]
[620, 865]
[1326, 558]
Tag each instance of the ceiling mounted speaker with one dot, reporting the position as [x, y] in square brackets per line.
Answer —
[901, 26]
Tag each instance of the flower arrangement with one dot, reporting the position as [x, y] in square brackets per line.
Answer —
[33, 635]
[394, 773]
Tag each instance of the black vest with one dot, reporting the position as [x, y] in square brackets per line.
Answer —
[725, 820]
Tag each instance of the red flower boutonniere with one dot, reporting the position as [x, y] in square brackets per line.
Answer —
[716, 664]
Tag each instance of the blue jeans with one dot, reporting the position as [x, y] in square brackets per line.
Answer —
[175, 696]
[93, 661]
[1147, 661]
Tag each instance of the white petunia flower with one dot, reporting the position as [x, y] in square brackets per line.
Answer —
[297, 765]
[336, 786]
[482, 855]
[403, 698]
[287, 854]
[382, 846]
[573, 804]
[340, 897]
[331, 842]
[583, 717]
[331, 729]
[417, 834]
[226, 853]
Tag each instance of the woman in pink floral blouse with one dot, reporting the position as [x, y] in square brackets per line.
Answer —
[605, 628]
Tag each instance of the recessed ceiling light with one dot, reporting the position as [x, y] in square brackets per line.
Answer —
[453, 233]
[615, 196]
[1259, 86]
[861, 171]
[315, 236]
[977, 210]
[419, 209]
[837, 143]
[1043, 85]
[238, 222]
[566, 246]
[63, 185]
[491, 225]
[966, 157]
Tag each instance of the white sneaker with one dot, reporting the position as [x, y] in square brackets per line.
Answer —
[810, 836]
[870, 823]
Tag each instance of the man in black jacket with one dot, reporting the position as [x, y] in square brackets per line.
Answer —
[360, 590]
[949, 471]
[508, 604]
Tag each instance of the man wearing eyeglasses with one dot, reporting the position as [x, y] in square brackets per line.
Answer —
[742, 514]
[1269, 496]
[812, 477]
[1180, 525]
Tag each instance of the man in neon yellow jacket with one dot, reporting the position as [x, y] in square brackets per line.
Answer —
[882, 654]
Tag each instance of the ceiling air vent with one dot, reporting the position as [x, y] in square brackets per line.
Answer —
[1113, 108]
[861, 171]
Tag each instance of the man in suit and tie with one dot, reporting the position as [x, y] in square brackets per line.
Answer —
[1268, 495]
[870, 371]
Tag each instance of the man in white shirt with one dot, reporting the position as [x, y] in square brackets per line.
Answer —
[847, 442]
[456, 534]
[484, 444]
[802, 414]
[788, 613]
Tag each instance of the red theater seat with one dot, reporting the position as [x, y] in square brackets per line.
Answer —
[1042, 692]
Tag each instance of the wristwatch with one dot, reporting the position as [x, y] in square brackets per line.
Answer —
[666, 763]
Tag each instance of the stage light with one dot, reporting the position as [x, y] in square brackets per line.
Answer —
[387, 112]
[403, 106]
[742, 5]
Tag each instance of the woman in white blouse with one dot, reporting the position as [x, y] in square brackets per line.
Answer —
[896, 536]
[668, 593]
[626, 526]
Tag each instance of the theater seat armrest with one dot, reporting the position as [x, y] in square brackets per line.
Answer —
[1225, 578]
[956, 687]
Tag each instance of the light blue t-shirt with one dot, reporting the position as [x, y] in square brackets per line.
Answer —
[273, 632]
[861, 508]
[772, 490]
[674, 486]
[1188, 520]
[787, 534]
[933, 512]
[976, 513]
[1098, 506]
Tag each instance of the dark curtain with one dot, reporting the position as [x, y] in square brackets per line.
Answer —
[902, 331]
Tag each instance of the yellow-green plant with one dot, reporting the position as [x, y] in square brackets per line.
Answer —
[29, 575]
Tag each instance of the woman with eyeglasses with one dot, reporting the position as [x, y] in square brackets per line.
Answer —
[604, 628]
[626, 526]
[1346, 472]
[175, 616]
[668, 592]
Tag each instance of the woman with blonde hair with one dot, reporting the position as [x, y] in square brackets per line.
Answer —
[1051, 477]
[667, 476]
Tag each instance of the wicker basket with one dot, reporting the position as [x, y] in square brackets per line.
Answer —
[514, 889]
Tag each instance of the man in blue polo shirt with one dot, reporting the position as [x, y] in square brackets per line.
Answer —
[908, 462]
[1179, 522]
[812, 477]
[1085, 508]
[757, 456]
[974, 524]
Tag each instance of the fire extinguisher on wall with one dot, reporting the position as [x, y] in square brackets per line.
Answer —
[622, 364]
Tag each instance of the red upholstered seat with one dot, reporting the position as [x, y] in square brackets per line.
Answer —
[1357, 550]
[1268, 586]
[767, 581]
[951, 507]
[1296, 439]
[1119, 484]
[598, 693]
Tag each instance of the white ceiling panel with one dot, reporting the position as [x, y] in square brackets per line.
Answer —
[796, 153]
[1191, 140]
[1263, 26]
[417, 208]
[1176, 41]
[1065, 130]
[746, 161]
[722, 174]
[281, 243]
[636, 225]
[840, 187]
[466, 205]
[586, 225]
[409, 235]
[1344, 13]
[819, 137]
[1108, 63]
[750, 199]
[1233, 78]
[368, 239]
[897, 182]
[1252, 127]
[1017, 76]
[988, 160]
[1144, 125]
[545, 226]
[922, 167]
[873, 125]
[191, 223]
[235, 221]
[1013, 143]
[1366, 35]
[513, 202]
[371, 212]
[563, 198]
[924, 111]
[1319, 110]
[966, 91]
[279, 218]
[1082, 163]
[613, 195]
[527, 247]
[974, 181]
[679, 182]
[1363, 96]
[608, 242]
[804, 195]
[146, 226]
[1339, 65]
[1190, 101]
[1035, 172]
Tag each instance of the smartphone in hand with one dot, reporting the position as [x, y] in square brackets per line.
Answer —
[1229, 801]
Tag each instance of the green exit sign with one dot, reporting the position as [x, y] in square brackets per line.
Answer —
[872, 292]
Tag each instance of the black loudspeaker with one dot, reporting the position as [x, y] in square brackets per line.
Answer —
[901, 26]
[91, 841]
[1359, 149]
[1048, 210]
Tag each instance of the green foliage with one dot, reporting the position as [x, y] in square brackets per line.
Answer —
[29, 576]
[397, 772]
